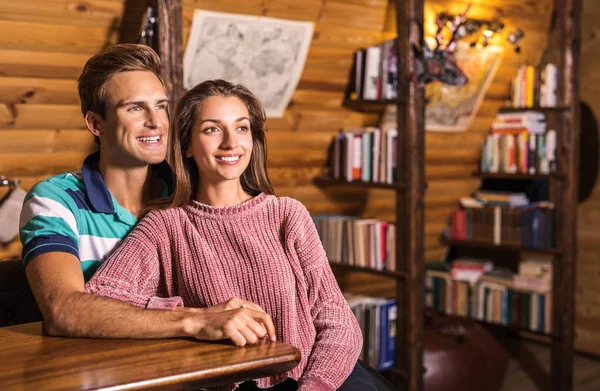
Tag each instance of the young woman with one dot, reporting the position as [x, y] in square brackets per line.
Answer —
[223, 236]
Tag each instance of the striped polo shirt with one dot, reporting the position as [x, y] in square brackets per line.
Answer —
[75, 213]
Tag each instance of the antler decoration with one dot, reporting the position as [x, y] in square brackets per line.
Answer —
[439, 63]
[458, 21]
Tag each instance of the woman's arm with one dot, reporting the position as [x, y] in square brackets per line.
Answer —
[139, 272]
[134, 272]
[339, 339]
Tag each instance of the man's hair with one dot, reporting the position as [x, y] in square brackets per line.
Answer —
[99, 69]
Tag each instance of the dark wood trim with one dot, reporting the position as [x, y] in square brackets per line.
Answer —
[323, 181]
[557, 110]
[386, 273]
[518, 176]
[365, 105]
[410, 204]
[498, 247]
[565, 193]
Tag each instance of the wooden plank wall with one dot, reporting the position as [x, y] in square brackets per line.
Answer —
[43, 47]
[44, 44]
[587, 311]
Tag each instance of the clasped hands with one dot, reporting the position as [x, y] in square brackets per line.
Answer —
[238, 320]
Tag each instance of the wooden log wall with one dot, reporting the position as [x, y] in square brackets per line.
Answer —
[587, 293]
[44, 44]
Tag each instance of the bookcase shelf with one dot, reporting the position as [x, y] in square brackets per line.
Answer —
[387, 273]
[365, 105]
[537, 108]
[500, 326]
[500, 247]
[516, 176]
[562, 194]
[409, 188]
[324, 182]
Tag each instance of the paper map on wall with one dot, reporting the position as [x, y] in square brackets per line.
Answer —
[452, 109]
[266, 55]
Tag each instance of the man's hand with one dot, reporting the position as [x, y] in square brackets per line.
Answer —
[232, 304]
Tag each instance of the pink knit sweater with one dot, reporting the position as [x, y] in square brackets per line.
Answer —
[266, 251]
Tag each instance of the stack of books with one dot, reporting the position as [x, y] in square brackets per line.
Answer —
[366, 243]
[519, 143]
[377, 320]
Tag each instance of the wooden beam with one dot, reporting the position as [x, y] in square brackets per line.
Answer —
[170, 49]
[563, 319]
[410, 206]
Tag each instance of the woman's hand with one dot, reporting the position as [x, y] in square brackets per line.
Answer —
[240, 321]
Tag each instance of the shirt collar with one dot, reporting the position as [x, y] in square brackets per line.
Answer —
[96, 189]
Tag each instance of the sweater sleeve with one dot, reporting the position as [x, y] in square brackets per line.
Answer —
[339, 340]
[134, 272]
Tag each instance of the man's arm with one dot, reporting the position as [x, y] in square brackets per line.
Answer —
[57, 282]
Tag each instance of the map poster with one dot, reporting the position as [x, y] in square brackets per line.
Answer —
[452, 109]
[266, 55]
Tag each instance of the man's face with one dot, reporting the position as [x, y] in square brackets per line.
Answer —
[135, 130]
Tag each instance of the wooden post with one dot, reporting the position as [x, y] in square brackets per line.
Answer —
[170, 48]
[410, 203]
[568, 24]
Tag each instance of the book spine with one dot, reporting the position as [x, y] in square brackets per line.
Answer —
[357, 157]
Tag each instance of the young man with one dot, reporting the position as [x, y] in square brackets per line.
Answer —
[71, 222]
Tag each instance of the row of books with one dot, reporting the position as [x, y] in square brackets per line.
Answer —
[521, 152]
[375, 72]
[534, 274]
[532, 87]
[529, 226]
[377, 320]
[358, 242]
[364, 154]
[496, 296]
[529, 121]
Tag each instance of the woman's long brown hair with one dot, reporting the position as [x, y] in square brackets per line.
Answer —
[255, 178]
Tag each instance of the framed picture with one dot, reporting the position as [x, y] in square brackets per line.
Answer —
[452, 109]
[266, 55]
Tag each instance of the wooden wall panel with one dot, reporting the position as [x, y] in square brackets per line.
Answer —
[52, 40]
[18, 35]
[587, 291]
[30, 90]
[105, 14]
[36, 64]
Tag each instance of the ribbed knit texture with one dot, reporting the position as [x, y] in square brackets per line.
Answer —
[266, 251]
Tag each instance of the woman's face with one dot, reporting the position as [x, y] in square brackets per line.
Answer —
[221, 142]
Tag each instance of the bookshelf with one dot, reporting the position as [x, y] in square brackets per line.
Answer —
[409, 186]
[365, 105]
[387, 273]
[558, 109]
[562, 192]
[525, 177]
[481, 244]
[325, 182]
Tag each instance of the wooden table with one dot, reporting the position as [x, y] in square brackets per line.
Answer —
[30, 360]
